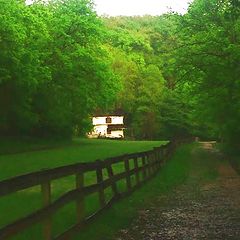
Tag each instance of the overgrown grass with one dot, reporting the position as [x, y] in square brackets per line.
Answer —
[80, 150]
[231, 154]
[119, 216]
[205, 164]
[235, 161]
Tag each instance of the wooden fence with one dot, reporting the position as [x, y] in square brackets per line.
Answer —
[146, 164]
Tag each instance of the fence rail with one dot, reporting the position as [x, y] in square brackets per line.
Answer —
[146, 164]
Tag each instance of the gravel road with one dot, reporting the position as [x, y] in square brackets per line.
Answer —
[199, 209]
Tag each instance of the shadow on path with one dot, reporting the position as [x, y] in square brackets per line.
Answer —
[206, 206]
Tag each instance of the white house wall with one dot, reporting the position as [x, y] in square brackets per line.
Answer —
[116, 134]
[117, 120]
[100, 129]
[102, 120]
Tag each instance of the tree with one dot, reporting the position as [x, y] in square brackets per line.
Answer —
[209, 57]
[143, 60]
[22, 41]
[55, 69]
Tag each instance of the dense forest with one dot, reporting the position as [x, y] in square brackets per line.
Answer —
[170, 75]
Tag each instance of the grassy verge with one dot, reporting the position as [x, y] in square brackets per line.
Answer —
[81, 150]
[172, 174]
[232, 155]
[234, 159]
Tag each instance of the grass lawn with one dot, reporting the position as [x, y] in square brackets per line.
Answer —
[79, 150]
[11, 145]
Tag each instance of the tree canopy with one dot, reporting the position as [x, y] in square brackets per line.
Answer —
[54, 69]
[171, 75]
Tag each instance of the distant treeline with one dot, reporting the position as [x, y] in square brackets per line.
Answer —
[170, 75]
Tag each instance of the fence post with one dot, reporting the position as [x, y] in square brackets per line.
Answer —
[158, 151]
[137, 170]
[144, 167]
[155, 157]
[161, 157]
[46, 196]
[153, 162]
[128, 177]
[99, 181]
[110, 175]
[148, 162]
[80, 200]
[164, 153]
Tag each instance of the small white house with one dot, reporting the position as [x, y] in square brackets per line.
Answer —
[107, 127]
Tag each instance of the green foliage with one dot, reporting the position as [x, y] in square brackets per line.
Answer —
[54, 68]
[209, 58]
[21, 40]
[141, 59]
[170, 75]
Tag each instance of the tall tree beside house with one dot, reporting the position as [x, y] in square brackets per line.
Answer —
[209, 59]
[23, 39]
[81, 73]
[54, 68]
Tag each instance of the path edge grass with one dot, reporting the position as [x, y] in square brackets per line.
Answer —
[173, 173]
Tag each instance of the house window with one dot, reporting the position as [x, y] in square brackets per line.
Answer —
[108, 120]
[109, 131]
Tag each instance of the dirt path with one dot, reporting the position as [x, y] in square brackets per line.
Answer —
[207, 206]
